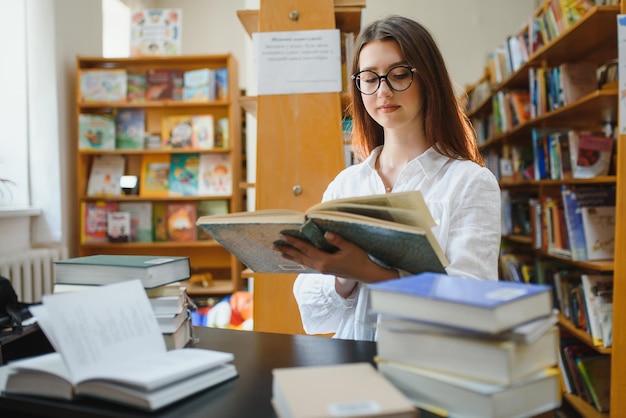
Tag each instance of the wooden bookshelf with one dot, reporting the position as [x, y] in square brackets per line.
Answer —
[206, 256]
[592, 38]
[302, 143]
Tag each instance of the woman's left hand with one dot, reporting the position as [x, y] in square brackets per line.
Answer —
[349, 261]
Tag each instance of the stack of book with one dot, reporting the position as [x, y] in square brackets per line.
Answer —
[468, 347]
[159, 275]
[118, 355]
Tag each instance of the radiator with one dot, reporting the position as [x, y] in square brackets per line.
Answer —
[31, 272]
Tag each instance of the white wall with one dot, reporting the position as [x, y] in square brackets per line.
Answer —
[74, 36]
[465, 30]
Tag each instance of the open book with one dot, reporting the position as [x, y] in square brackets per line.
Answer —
[108, 345]
[394, 228]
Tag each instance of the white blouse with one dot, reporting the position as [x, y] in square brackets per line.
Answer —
[464, 200]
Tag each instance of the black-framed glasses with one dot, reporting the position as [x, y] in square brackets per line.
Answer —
[398, 78]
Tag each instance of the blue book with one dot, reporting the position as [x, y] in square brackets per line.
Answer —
[575, 198]
[465, 303]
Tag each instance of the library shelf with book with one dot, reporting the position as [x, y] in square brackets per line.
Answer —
[521, 169]
[151, 159]
[308, 164]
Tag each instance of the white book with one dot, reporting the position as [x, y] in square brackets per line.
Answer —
[169, 323]
[105, 175]
[465, 354]
[448, 395]
[599, 227]
[108, 345]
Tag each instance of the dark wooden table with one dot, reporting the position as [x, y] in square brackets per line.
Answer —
[256, 354]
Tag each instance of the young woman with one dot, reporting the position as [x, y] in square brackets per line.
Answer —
[413, 135]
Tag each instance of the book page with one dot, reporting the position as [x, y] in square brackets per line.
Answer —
[95, 328]
[408, 208]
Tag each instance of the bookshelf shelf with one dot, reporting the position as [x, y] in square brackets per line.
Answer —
[583, 407]
[154, 104]
[206, 256]
[582, 335]
[597, 107]
[592, 38]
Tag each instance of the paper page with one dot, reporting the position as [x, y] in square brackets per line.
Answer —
[102, 326]
[297, 62]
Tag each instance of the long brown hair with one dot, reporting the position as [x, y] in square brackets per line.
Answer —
[445, 123]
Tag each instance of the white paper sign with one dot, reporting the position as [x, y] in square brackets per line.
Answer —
[621, 47]
[298, 62]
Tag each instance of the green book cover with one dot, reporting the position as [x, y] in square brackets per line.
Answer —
[394, 229]
[104, 269]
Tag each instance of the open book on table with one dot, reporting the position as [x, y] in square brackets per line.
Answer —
[394, 228]
[108, 345]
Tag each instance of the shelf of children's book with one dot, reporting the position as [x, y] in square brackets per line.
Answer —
[157, 60]
[139, 198]
[599, 266]
[583, 408]
[151, 245]
[581, 334]
[599, 106]
[152, 104]
[592, 38]
[144, 151]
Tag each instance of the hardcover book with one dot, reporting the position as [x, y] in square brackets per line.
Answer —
[599, 227]
[208, 208]
[102, 269]
[591, 154]
[184, 172]
[169, 323]
[341, 390]
[96, 131]
[136, 90]
[450, 395]
[215, 175]
[466, 303]
[176, 132]
[123, 366]
[575, 198]
[130, 128]
[159, 221]
[394, 228]
[180, 338]
[198, 77]
[155, 175]
[94, 220]
[595, 288]
[140, 220]
[222, 133]
[103, 85]
[118, 226]
[465, 354]
[202, 132]
[181, 221]
[164, 84]
[221, 84]
[105, 175]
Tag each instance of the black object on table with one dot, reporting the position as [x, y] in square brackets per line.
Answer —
[247, 396]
